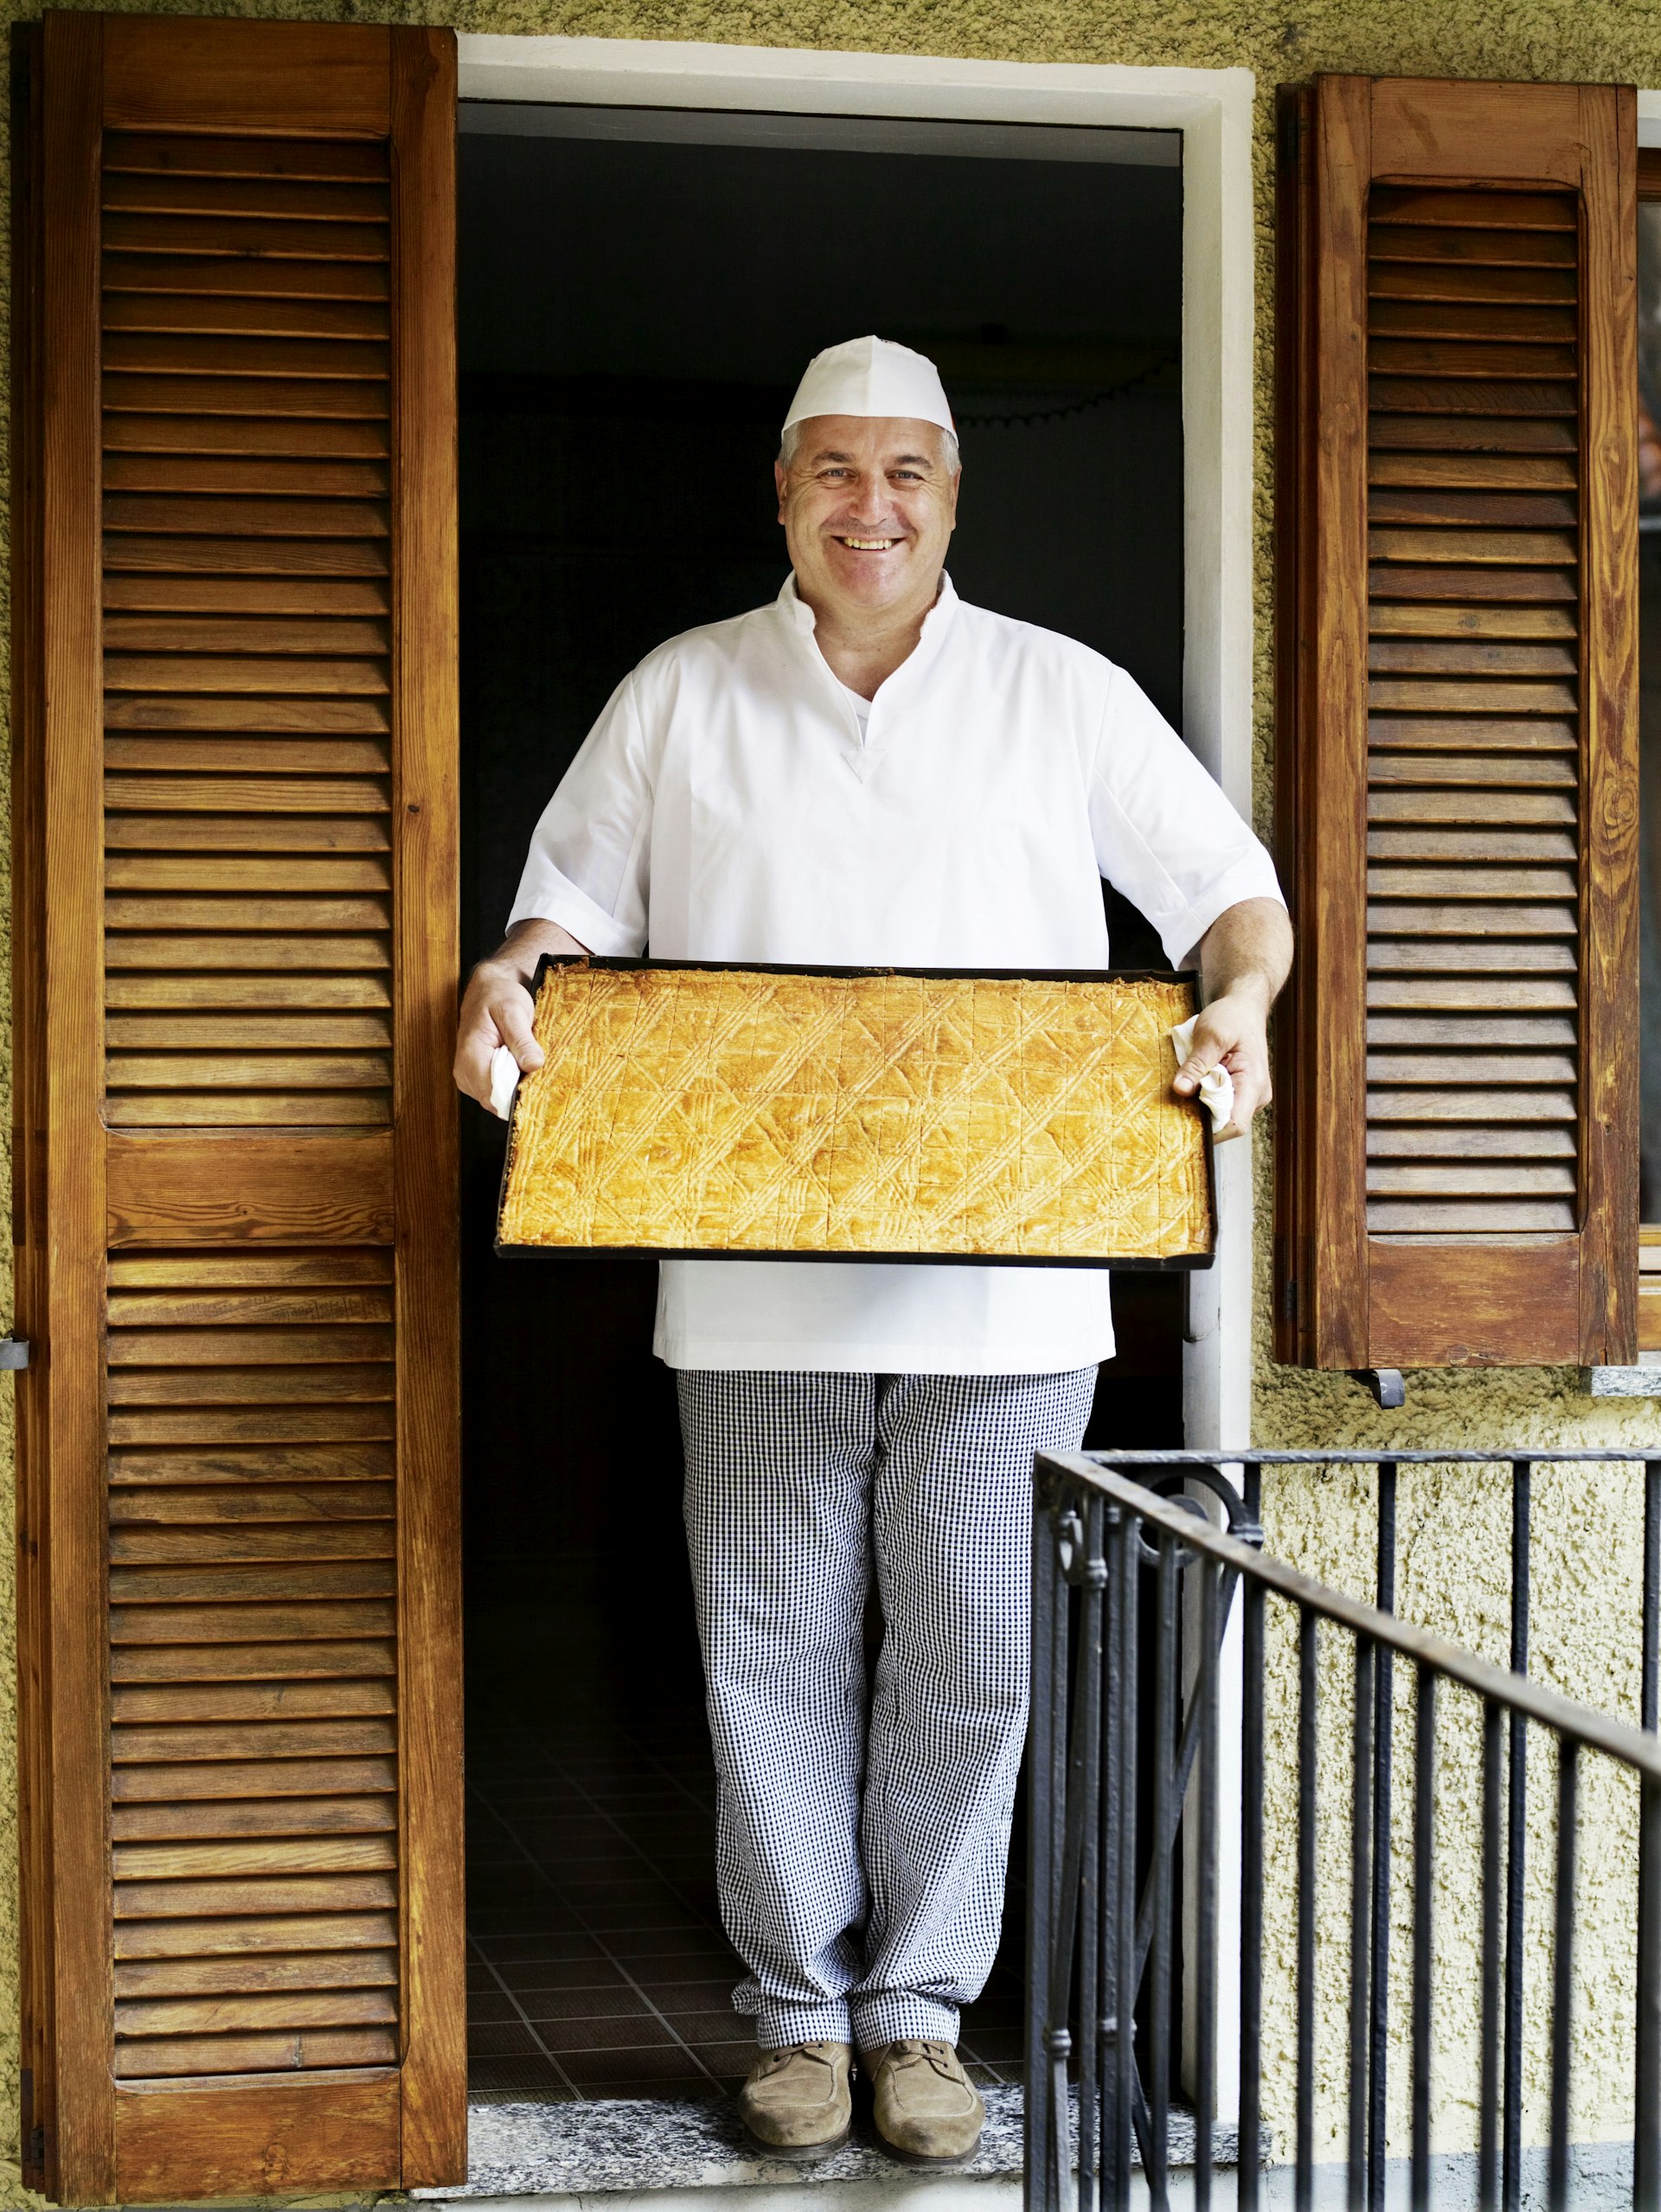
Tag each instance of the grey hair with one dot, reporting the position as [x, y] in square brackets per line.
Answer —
[793, 438]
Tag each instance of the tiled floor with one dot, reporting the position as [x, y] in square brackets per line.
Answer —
[597, 1965]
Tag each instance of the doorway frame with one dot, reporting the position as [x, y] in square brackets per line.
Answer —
[1212, 108]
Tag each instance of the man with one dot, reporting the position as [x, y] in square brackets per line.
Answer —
[868, 771]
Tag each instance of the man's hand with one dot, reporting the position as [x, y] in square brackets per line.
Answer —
[496, 1009]
[1232, 1032]
[1245, 957]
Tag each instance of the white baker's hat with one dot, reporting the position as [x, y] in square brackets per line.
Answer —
[872, 377]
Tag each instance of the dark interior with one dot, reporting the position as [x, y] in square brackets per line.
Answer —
[639, 291]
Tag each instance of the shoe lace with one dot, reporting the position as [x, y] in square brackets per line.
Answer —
[942, 2057]
[775, 2061]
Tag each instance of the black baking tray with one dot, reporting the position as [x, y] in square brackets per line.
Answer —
[1180, 1263]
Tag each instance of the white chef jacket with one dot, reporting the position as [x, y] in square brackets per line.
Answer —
[725, 807]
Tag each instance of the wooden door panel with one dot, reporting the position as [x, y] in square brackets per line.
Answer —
[303, 80]
[336, 2134]
[306, 1187]
[244, 784]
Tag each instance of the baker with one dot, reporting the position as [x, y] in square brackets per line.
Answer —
[868, 771]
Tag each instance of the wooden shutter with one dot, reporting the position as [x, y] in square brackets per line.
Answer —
[235, 804]
[1457, 707]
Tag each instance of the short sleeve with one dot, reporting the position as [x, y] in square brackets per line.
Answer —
[1165, 835]
[588, 865]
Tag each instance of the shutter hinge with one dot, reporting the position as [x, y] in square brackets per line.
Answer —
[1289, 1298]
[1387, 1384]
[14, 1351]
[36, 2159]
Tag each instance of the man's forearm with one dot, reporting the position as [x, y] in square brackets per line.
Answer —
[526, 943]
[1246, 951]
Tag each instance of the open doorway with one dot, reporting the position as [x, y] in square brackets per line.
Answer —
[640, 291]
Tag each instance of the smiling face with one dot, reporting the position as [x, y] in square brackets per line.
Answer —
[869, 505]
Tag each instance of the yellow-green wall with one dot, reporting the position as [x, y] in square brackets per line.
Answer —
[1453, 1526]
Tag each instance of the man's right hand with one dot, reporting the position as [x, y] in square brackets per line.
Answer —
[496, 1008]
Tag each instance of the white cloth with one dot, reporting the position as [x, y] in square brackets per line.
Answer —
[871, 377]
[1216, 1089]
[504, 1081]
[725, 807]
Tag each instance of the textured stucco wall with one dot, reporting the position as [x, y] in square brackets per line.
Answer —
[1454, 1529]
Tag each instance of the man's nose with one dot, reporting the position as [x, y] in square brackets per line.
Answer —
[868, 502]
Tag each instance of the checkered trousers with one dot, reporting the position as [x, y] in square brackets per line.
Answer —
[864, 1830]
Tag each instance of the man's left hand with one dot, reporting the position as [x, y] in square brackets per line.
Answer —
[1245, 956]
[1233, 1031]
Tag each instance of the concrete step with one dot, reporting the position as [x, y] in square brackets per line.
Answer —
[685, 2157]
[668, 2156]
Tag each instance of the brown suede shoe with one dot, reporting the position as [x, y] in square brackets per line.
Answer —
[797, 2100]
[927, 2110]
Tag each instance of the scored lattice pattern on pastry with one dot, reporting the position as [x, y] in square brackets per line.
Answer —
[687, 1110]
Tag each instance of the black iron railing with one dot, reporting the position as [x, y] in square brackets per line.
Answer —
[1133, 1592]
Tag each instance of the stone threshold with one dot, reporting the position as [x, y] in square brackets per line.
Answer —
[618, 2149]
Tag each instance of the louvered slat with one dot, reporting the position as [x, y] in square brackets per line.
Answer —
[253, 1744]
[1473, 827]
[246, 651]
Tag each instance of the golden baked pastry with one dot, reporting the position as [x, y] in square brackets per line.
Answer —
[696, 1110]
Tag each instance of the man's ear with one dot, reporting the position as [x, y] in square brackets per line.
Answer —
[779, 480]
